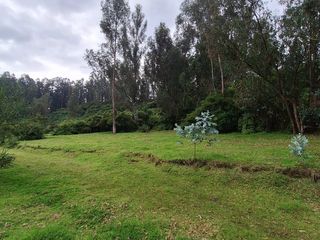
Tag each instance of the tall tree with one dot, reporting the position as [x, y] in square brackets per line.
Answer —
[114, 17]
[165, 70]
[133, 48]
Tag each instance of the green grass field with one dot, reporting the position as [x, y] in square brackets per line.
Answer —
[86, 187]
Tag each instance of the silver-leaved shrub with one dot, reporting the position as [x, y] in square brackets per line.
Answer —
[298, 145]
[200, 131]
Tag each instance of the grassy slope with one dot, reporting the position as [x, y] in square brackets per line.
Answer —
[84, 187]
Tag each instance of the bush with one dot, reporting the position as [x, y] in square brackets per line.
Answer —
[100, 122]
[157, 120]
[148, 117]
[6, 159]
[144, 128]
[6, 131]
[246, 124]
[72, 127]
[125, 122]
[222, 107]
[10, 141]
[29, 131]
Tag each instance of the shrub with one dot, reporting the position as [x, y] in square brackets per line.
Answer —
[29, 131]
[199, 131]
[298, 145]
[144, 128]
[125, 122]
[149, 117]
[72, 127]
[6, 131]
[246, 124]
[6, 159]
[100, 122]
[224, 109]
[10, 141]
[157, 120]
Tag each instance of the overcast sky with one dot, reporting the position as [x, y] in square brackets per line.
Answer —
[48, 38]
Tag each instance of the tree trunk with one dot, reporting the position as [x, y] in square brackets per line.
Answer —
[212, 74]
[291, 117]
[114, 127]
[297, 119]
[221, 74]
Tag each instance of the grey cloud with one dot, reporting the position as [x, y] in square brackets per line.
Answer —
[49, 37]
[60, 6]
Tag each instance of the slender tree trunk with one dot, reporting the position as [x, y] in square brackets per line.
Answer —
[291, 117]
[297, 118]
[221, 74]
[212, 74]
[114, 127]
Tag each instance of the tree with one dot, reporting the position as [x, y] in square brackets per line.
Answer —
[199, 131]
[133, 40]
[203, 21]
[165, 68]
[114, 17]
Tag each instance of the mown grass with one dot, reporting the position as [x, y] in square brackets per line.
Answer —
[84, 187]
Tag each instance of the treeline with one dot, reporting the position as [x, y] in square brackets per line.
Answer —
[254, 70]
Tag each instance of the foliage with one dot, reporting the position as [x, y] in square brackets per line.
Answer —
[23, 130]
[199, 131]
[29, 130]
[10, 141]
[298, 145]
[6, 159]
[224, 109]
[151, 117]
[125, 122]
[247, 124]
[72, 127]
[202, 61]
[100, 122]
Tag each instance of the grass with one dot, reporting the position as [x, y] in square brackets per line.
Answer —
[84, 187]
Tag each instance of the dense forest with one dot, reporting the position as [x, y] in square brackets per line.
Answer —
[255, 71]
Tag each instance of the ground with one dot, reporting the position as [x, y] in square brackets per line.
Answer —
[100, 186]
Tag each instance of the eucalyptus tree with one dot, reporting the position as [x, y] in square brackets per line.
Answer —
[300, 37]
[114, 17]
[202, 130]
[203, 23]
[133, 49]
[12, 103]
[165, 68]
[98, 88]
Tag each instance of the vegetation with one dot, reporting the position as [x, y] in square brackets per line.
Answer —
[199, 131]
[6, 159]
[298, 145]
[213, 62]
[93, 186]
[255, 72]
